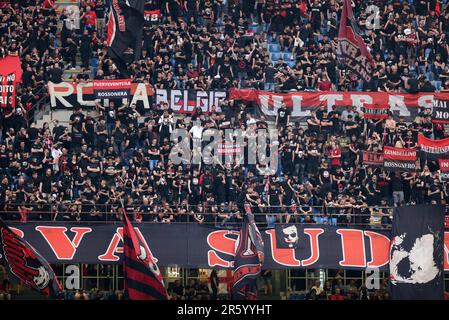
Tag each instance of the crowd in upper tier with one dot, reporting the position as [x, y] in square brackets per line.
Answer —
[266, 44]
[81, 170]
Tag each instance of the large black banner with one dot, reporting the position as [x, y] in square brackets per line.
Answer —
[191, 245]
[417, 253]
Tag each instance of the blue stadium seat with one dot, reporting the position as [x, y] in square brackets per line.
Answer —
[288, 56]
[275, 56]
[291, 63]
[274, 48]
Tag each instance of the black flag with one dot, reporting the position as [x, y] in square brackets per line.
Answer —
[416, 253]
[125, 25]
[248, 260]
[25, 265]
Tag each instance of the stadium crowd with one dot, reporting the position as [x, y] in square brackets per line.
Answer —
[81, 171]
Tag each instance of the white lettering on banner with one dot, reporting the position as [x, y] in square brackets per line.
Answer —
[297, 107]
[358, 100]
[425, 101]
[277, 102]
[58, 95]
[79, 94]
[179, 99]
[265, 104]
[141, 94]
[442, 115]
[331, 99]
[397, 104]
[217, 97]
[161, 96]
[202, 100]
[177, 95]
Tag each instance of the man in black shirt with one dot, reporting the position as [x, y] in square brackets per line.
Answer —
[283, 116]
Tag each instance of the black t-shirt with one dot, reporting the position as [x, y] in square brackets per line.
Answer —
[325, 175]
[99, 11]
[283, 114]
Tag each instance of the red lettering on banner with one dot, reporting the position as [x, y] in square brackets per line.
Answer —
[113, 247]
[18, 232]
[59, 242]
[380, 249]
[353, 247]
[220, 241]
[314, 246]
[283, 256]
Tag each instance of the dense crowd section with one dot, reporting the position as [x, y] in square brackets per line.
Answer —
[231, 43]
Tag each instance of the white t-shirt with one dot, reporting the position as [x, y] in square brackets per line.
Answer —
[196, 132]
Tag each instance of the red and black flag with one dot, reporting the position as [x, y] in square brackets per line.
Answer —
[440, 110]
[372, 158]
[249, 257]
[399, 159]
[351, 49]
[25, 265]
[417, 253]
[142, 277]
[10, 75]
[112, 89]
[375, 111]
[431, 149]
[125, 25]
[152, 17]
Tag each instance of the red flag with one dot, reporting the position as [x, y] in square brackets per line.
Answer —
[437, 9]
[303, 8]
[142, 277]
[351, 50]
[10, 75]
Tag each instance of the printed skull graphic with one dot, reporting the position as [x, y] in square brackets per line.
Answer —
[42, 279]
[416, 265]
[145, 259]
[143, 253]
[290, 236]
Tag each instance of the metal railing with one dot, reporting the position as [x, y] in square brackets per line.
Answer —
[375, 217]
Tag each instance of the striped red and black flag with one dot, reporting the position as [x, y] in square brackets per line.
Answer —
[142, 277]
[248, 261]
[352, 52]
[25, 266]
